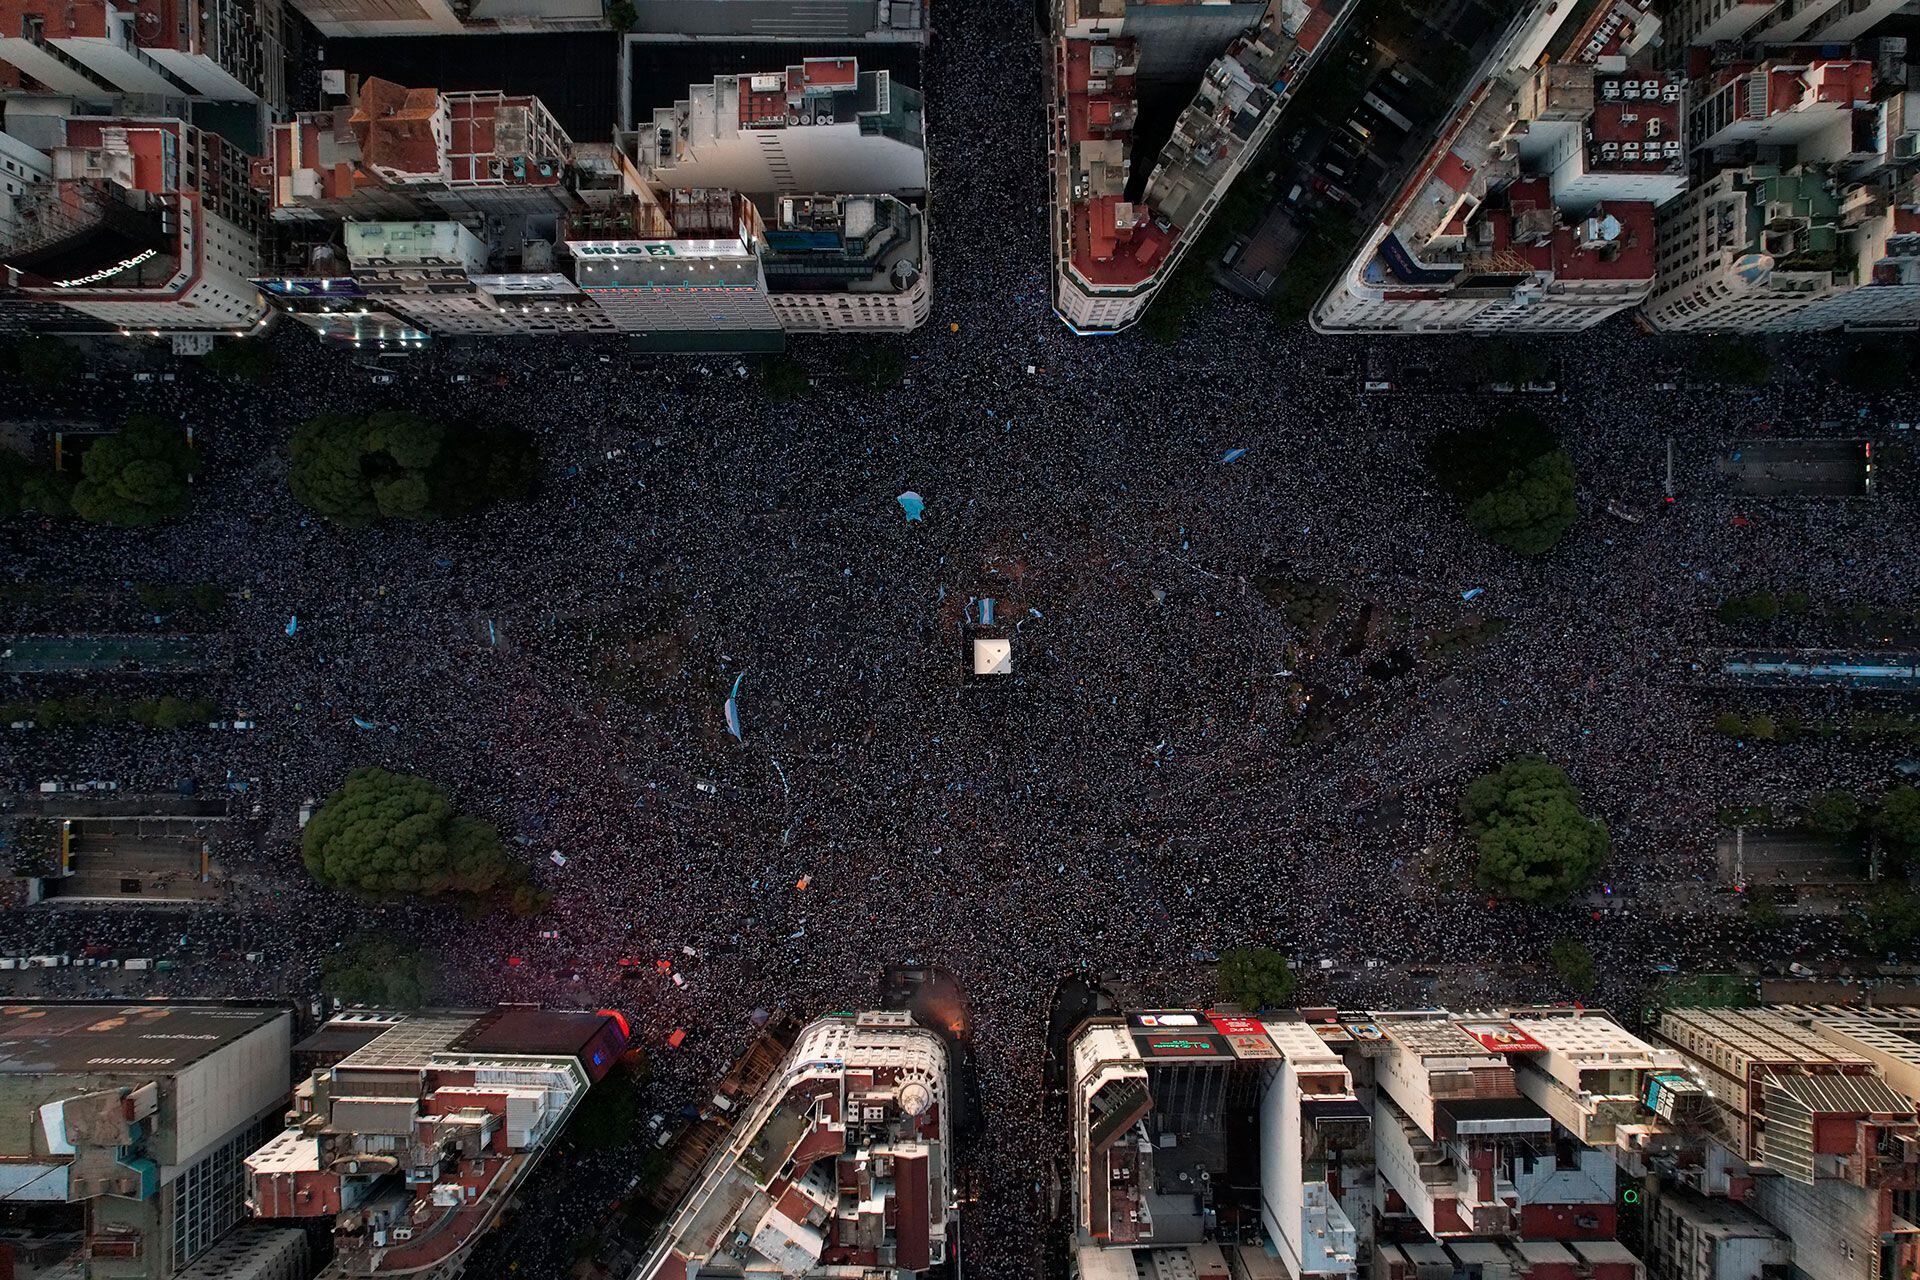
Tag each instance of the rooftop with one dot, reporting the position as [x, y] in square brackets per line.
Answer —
[77, 1039]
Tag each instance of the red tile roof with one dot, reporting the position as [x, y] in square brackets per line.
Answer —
[395, 127]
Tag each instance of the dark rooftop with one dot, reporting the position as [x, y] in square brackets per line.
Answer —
[37, 1039]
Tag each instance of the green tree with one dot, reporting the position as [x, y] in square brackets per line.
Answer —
[621, 15]
[15, 471]
[1730, 724]
[1876, 366]
[1532, 509]
[1897, 822]
[785, 379]
[1573, 964]
[326, 475]
[1513, 479]
[1256, 978]
[1535, 844]
[479, 466]
[47, 363]
[1834, 814]
[1761, 728]
[250, 359]
[1510, 360]
[1891, 920]
[385, 832]
[872, 364]
[381, 972]
[137, 476]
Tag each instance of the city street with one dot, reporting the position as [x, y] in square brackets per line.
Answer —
[1174, 768]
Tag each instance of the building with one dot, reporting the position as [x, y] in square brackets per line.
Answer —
[1693, 1237]
[769, 21]
[841, 1165]
[1534, 208]
[820, 126]
[340, 18]
[1325, 1144]
[1810, 218]
[145, 224]
[416, 1139]
[222, 50]
[1773, 22]
[1808, 1131]
[403, 213]
[132, 1121]
[1119, 225]
[21, 168]
[840, 263]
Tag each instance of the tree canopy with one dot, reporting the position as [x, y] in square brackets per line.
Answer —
[46, 363]
[384, 832]
[1535, 844]
[1897, 823]
[137, 476]
[785, 379]
[1512, 478]
[1834, 814]
[1256, 978]
[395, 465]
[379, 971]
[1573, 964]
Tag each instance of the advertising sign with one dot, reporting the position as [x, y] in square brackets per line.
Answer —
[1502, 1037]
[657, 249]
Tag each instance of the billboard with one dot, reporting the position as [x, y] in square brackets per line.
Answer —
[657, 249]
[1245, 1036]
[1502, 1037]
[525, 282]
[336, 287]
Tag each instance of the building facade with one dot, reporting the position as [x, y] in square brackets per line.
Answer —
[1810, 216]
[1113, 251]
[1394, 1145]
[1534, 210]
[138, 1117]
[416, 1139]
[146, 225]
[840, 1166]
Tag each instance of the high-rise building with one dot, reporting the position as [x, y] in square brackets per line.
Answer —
[819, 126]
[1534, 207]
[223, 50]
[1808, 1131]
[133, 1120]
[477, 215]
[841, 1166]
[1812, 219]
[1119, 224]
[1324, 1144]
[1773, 22]
[450, 17]
[145, 224]
[780, 21]
[416, 1139]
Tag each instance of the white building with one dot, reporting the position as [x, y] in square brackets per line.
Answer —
[821, 125]
[146, 225]
[1111, 254]
[21, 167]
[225, 50]
[1534, 208]
[840, 1166]
[1824, 236]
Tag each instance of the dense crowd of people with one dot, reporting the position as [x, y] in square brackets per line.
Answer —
[1152, 785]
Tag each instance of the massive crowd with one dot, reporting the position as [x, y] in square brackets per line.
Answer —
[1136, 796]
